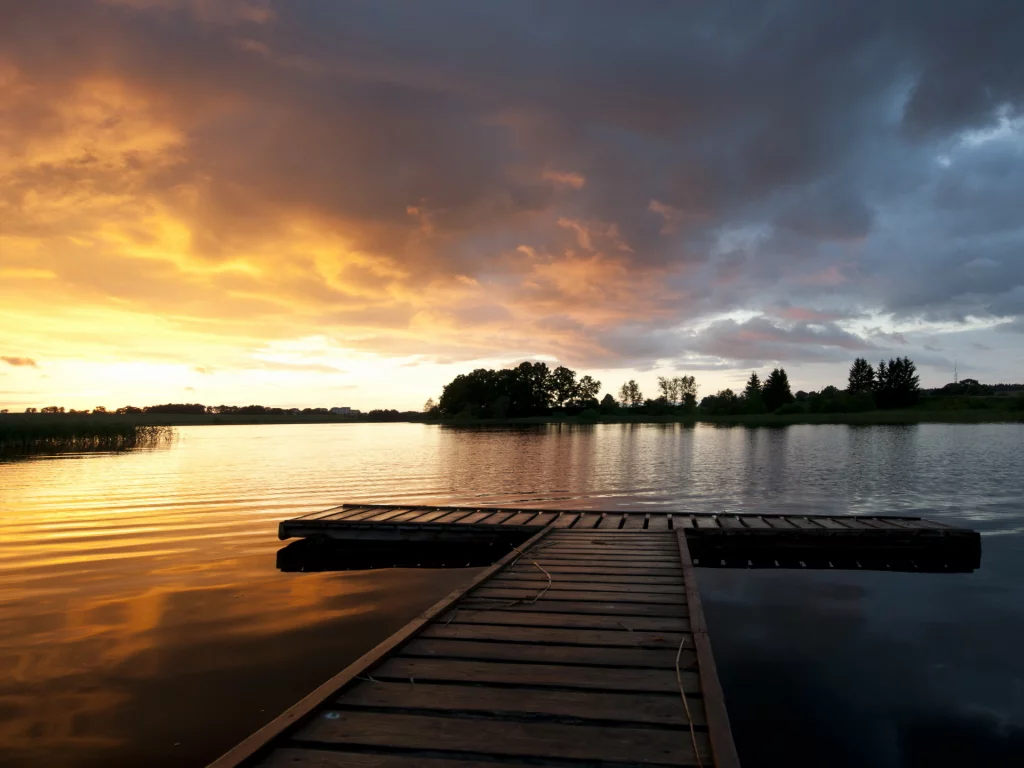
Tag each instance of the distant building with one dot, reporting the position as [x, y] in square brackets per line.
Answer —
[344, 410]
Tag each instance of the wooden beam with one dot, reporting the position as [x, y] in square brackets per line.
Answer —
[722, 745]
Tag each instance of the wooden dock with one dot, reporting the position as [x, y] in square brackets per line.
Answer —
[723, 540]
[583, 645]
[578, 648]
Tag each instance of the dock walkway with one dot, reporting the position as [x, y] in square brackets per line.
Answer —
[583, 645]
[578, 648]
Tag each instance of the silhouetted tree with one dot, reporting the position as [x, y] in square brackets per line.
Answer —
[563, 386]
[587, 390]
[897, 384]
[686, 391]
[630, 394]
[862, 377]
[753, 398]
[776, 392]
[667, 388]
[430, 405]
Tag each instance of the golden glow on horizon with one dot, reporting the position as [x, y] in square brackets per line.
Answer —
[122, 287]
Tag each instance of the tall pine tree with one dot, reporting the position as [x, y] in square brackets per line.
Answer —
[862, 377]
[753, 399]
[776, 391]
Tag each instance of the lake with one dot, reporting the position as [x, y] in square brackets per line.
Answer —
[143, 620]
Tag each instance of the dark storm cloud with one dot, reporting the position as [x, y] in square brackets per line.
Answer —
[743, 155]
[760, 340]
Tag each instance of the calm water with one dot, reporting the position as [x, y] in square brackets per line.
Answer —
[143, 621]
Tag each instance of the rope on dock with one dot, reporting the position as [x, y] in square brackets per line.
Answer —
[539, 595]
[686, 705]
[518, 601]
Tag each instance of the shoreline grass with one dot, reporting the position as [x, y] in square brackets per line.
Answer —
[31, 435]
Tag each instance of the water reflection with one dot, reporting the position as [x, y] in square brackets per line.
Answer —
[143, 620]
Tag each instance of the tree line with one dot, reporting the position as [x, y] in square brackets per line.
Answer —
[529, 389]
[533, 389]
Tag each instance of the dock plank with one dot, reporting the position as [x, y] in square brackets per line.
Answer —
[534, 675]
[512, 739]
[550, 654]
[552, 603]
[538, 582]
[578, 576]
[520, 518]
[609, 569]
[304, 757]
[586, 521]
[498, 702]
[605, 560]
[604, 637]
[659, 522]
[503, 593]
[479, 615]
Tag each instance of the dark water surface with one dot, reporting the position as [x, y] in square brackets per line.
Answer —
[143, 621]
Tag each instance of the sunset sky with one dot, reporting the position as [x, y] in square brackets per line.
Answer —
[347, 203]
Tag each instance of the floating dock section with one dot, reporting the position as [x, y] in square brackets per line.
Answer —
[583, 645]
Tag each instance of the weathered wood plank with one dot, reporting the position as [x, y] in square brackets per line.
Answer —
[597, 565]
[534, 675]
[520, 518]
[544, 518]
[634, 520]
[509, 594]
[363, 514]
[719, 730]
[605, 637]
[410, 516]
[335, 513]
[387, 514]
[829, 523]
[496, 737]
[603, 571]
[611, 521]
[659, 522]
[565, 519]
[584, 705]
[755, 522]
[299, 757]
[598, 588]
[453, 517]
[587, 521]
[606, 538]
[606, 554]
[477, 615]
[706, 522]
[586, 577]
[551, 604]
[609, 560]
[474, 518]
[551, 654]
